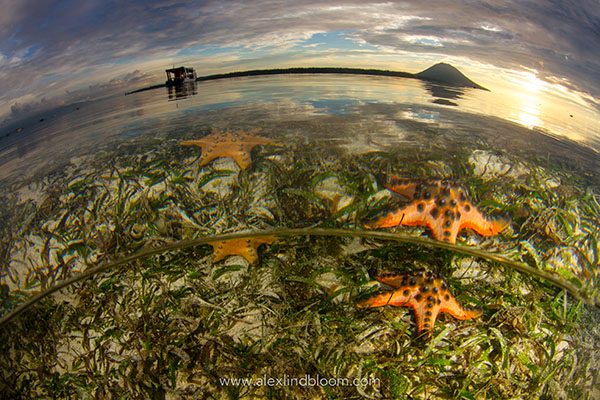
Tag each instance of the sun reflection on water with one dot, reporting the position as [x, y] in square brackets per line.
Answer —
[526, 97]
[529, 100]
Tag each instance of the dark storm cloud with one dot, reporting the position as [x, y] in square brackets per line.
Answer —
[44, 43]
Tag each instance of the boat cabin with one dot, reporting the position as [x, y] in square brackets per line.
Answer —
[176, 76]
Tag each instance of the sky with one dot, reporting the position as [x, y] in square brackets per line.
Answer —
[55, 52]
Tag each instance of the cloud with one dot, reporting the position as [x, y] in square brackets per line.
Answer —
[34, 106]
[135, 77]
[67, 45]
[27, 105]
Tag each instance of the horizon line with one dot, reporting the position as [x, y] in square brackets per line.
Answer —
[321, 70]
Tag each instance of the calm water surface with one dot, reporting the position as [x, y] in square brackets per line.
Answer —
[80, 128]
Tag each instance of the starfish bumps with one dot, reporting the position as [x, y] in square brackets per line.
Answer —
[425, 292]
[237, 145]
[442, 207]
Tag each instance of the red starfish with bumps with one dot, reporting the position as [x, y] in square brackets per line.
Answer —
[237, 145]
[441, 206]
[425, 292]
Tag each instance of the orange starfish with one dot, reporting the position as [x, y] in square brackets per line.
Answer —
[442, 207]
[247, 248]
[426, 293]
[237, 145]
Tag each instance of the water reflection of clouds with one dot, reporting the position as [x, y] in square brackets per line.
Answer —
[333, 106]
[425, 116]
[212, 106]
[522, 98]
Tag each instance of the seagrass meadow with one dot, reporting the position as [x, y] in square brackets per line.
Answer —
[109, 289]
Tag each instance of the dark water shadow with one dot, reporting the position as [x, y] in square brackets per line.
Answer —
[182, 90]
[443, 93]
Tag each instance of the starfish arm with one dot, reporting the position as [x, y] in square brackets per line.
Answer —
[401, 186]
[452, 307]
[207, 147]
[417, 213]
[254, 140]
[413, 214]
[425, 316]
[399, 297]
[393, 280]
[472, 218]
[218, 251]
[392, 218]
[241, 158]
[206, 158]
[379, 300]
[250, 253]
[443, 229]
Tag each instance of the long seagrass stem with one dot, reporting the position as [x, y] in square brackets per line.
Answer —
[399, 237]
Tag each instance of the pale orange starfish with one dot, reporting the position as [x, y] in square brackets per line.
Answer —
[237, 145]
[425, 292]
[247, 247]
[442, 207]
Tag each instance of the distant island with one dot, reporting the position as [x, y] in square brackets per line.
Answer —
[449, 75]
[441, 73]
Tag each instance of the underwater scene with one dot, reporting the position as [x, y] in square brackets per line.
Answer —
[262, 238]
[300, 200]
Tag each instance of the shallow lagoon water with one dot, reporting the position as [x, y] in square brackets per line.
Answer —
[81, 127]
[97, 181]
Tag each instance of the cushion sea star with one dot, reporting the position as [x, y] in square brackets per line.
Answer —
[441, 206]
[425, 292]
[236, 145]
